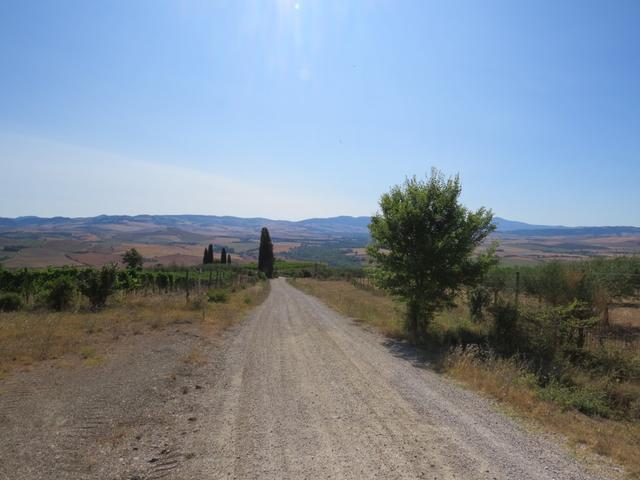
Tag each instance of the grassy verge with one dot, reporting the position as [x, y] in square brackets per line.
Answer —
[30, 337]
[506, 380]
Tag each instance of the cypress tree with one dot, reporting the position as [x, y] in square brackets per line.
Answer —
[210, 253]
[205, 258]
[223, 255]
[265, 253]
[228, 258]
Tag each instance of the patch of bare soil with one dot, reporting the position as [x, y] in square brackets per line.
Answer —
[127, 417]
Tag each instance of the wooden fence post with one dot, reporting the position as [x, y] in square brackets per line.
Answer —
[517, 288]
[187, 285]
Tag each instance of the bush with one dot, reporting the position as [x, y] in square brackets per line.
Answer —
[61, 293]
[478, 299]
[10, 302]
[587, 401]
[218, 296]
[98, 285]
[504, 333]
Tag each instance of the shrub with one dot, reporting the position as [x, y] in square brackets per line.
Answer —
[10, 302]
[61, 293]
[478, 299]
[98, 285]
[587, 401]
[504, 333]
[218, 296]
[164, 281]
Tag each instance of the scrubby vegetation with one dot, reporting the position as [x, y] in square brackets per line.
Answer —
[52, 312]
[71, 288]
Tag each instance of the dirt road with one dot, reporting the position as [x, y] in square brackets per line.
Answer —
[296, 391]
[305, 393]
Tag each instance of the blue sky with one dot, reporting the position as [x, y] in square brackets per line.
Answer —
[290, 109]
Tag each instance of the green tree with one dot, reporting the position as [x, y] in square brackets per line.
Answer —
[228, 258]
[205, 257]
[423, 244]
[223, 255]
[265, 253]
[132, 259]
[210, 253]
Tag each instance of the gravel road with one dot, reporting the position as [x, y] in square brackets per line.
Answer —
[294, 392]
[306, 393]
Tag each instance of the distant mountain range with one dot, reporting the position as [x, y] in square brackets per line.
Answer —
[180, 239]
[333, 227]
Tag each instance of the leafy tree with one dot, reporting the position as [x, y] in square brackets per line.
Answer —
[223, 255]
[423, 244]
[98, 285]
[132, 259]
[265, 253]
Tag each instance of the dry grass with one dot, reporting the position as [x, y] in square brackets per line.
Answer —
[625, 316]
[363, 306]
[504, 380]
[29, 337]
[509, 383]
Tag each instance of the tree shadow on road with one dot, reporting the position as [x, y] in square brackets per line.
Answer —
[425, 356]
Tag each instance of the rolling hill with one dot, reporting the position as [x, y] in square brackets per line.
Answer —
[180, 239]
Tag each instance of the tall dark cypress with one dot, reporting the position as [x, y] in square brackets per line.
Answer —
[223, 255]
[205, 258]
[210, 253]
[265, 253]
[228, 258]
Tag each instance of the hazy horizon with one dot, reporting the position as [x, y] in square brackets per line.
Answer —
[298, 109]
[276, 219]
